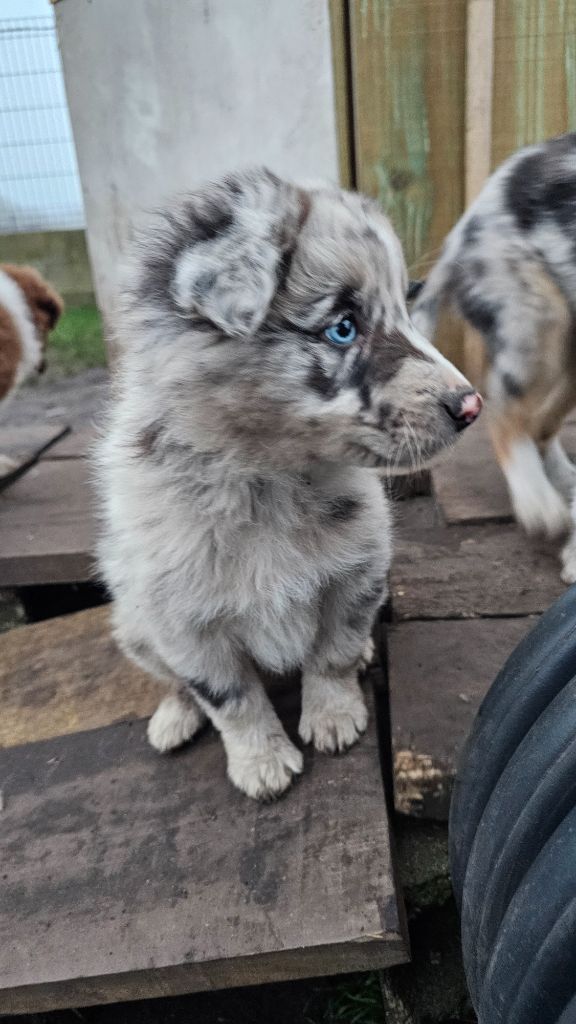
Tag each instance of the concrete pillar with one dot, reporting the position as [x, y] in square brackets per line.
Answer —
[164, 94]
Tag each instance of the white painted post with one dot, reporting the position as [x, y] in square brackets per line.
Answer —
[164, 95]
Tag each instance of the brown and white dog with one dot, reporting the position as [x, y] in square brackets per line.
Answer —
[29, 309]
[268, 370]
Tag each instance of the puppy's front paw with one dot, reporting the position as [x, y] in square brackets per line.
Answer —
[568, 558]
[7, 465]
[267, 773]
[174, 723]
[367, 655]
[545, 514]
[334, 725]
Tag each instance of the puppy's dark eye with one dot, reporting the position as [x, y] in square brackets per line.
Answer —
[343, 332]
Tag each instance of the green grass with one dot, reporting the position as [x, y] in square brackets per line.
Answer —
[357, 1000]
[76, 343]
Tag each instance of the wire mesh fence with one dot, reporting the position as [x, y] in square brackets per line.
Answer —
[39, 183]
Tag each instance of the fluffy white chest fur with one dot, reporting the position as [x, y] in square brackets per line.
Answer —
[197, 542]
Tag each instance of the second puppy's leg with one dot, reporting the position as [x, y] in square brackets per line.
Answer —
[334, 712]
[537, 505]
[548, 422]
[526, 323]
[560, 470]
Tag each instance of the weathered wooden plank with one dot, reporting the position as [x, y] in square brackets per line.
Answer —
[439, 673]
[468, 483]
[534, 73]
[466, 572]
[47, 526]
[339, 30]
[408, 78]
[478, 146]
[66, 675]
[76, 445]
[127, 875]
[25, 445]
[479, 81]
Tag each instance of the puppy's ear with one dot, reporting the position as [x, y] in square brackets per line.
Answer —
[45, 304]
[50, 306]
[245, 226]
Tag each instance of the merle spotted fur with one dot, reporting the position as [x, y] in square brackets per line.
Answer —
[244, 524]
[509, 268]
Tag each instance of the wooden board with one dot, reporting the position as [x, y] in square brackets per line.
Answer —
[76, 445]
[25, 445]
[127, 875]
[534, 73]
[439, 672]
[479, 82]
[339, 31]
[408, 78]
[478, 147]
[66, 675]
[468, 483]
[442, 572]
[47, 526]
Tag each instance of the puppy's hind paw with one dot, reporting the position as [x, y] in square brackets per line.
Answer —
[173, 724]
[265, 774]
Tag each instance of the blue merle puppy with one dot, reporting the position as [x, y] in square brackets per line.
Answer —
[268, 371]
[509, 268]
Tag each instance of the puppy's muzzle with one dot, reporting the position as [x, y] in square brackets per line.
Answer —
[463, 406]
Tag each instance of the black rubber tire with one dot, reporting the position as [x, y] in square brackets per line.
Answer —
[535, 673]
[569, 1015]
[531, 977]
[535, 792]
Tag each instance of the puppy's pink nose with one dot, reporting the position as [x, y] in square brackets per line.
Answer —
[471, 407]
[463, 407]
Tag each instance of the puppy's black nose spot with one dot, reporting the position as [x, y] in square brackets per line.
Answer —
[463, 407]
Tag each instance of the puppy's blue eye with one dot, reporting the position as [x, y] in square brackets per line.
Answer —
[342, 333]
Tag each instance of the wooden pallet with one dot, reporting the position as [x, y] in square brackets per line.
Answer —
[440, 672]
[126, 874]
[466, 585]
[24, 446]
[468, 484]
[47, 513]
[467, 572]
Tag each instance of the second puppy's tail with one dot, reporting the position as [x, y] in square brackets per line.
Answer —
[428, 296]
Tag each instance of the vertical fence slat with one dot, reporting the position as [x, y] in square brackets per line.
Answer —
[534, 73]
[479, 88]
[479, 80]
[339, 27]
[408, 88]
